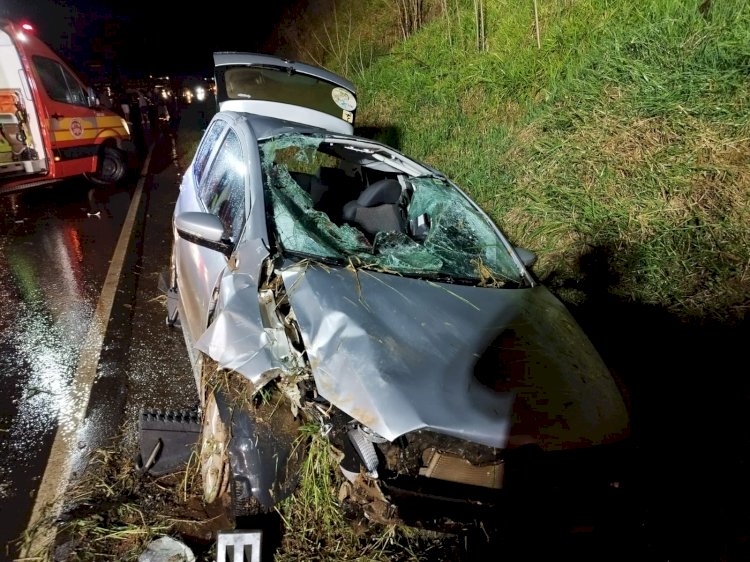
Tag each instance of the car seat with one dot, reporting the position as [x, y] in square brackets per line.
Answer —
[377, 208]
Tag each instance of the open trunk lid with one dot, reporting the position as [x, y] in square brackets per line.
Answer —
[275, 87]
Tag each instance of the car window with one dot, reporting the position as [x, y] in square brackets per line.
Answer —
[223, 191]
[204, 150]
[59, 84]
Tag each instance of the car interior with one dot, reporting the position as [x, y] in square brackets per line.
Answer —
[348, 199]
[378, 207]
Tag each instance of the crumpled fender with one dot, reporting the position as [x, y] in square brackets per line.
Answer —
[262, 454]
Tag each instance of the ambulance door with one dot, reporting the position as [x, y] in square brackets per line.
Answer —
[72, 124]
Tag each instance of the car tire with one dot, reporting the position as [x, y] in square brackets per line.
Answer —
[248, 464]
[111, 166]
[214, 454]
[221, 492]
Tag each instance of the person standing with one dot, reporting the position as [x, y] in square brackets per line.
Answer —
[136, 126]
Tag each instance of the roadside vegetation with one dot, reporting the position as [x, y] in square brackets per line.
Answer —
[611, 137]
[610, 128]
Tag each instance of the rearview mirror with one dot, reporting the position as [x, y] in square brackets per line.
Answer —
[528, 258]
[93, 99]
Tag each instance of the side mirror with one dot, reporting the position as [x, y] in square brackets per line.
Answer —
[93, 99]
[528, 258]
[203, 229]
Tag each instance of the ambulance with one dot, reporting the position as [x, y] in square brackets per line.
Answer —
[51, 124]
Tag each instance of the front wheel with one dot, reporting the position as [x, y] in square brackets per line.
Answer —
[214, 453]
[250, 450]
[111, 166]
[216, 448]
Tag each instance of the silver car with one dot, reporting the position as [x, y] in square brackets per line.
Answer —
[321, 277]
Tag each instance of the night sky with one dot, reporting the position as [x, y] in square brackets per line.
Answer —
[139, 38]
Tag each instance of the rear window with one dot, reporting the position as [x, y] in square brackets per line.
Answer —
[272, 84]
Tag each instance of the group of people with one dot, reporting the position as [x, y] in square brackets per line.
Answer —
[145, 113]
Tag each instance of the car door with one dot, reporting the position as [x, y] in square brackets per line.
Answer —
[219, 187]
[275, 87]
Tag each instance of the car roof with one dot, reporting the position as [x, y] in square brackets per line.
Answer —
[264, 127]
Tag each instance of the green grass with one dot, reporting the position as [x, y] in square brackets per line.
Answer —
[627, 133]
[318, 529]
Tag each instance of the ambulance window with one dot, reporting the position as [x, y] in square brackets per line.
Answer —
[59, 84]
[204, 150]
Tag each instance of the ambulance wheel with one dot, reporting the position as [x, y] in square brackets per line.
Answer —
[111, 168]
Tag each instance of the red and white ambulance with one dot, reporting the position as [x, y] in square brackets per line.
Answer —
[51, 125]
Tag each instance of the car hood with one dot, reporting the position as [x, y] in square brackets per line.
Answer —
[483, 364]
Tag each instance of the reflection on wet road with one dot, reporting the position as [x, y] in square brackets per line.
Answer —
[54, 254]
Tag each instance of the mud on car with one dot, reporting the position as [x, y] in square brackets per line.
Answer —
[321, 277]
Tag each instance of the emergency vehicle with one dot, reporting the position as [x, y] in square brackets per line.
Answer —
[51, 124]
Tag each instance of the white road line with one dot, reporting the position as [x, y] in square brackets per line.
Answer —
[40, 531]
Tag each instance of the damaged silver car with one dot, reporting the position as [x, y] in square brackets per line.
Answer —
[327, 278]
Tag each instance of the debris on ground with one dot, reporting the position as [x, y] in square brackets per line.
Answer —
[167, 440]
[167, 549]
[116, 511]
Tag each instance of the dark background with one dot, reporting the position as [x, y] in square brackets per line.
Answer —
[113, 40]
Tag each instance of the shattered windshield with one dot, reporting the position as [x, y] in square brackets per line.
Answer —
[344, 204]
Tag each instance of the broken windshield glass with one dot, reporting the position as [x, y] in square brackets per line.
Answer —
[453, 240]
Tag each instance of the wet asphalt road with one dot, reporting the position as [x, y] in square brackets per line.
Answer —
[56, 245]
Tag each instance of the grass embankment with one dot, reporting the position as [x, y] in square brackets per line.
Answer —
[624, 136]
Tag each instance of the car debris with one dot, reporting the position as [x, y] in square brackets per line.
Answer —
[166, 549]
[166, 440]
[239, 546]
